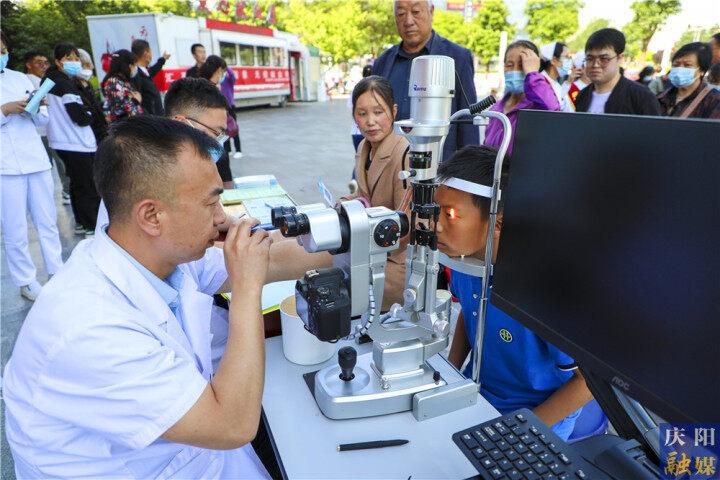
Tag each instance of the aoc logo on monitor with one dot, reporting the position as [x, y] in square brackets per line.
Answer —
[620, 383]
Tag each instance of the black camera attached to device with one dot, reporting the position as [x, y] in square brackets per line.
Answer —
[323, 302]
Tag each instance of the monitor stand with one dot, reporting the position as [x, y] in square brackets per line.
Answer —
[618, 458]
[628, 417]
[638, 457]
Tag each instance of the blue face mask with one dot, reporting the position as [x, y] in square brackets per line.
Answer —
[682, 76]
[222, 77]
[4, 60]
[564, 69]
[515, 81]
[716, 87]
[72, 68]
[216, 154]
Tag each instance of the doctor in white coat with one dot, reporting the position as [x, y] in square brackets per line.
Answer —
[26, 181]
[111, 374]
[555, 65]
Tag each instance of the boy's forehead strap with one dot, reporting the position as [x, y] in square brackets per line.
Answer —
[469, 187]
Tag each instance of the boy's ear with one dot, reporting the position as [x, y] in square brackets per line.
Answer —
[498, 223]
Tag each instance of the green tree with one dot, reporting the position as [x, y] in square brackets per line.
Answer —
[552, 20]
[337, 27]
[648, 17]
[577, 44]
[341, 29]
[379, 25]
[483, 32]
[696, 35]
[450, 25]
[40, 24]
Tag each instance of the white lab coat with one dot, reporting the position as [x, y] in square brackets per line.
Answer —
[22, 149]
[26, 181]
[103, 220]
[102, 368]
[563, 98]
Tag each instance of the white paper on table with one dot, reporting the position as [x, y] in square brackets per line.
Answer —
[261, 208]
[273, 293]
[276, 292]
[327, 195]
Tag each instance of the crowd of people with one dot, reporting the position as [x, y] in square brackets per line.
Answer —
[70, 125]
[130, 384]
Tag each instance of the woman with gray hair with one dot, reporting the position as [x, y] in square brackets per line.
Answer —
[90, 96]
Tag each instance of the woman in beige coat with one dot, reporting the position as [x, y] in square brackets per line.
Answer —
[380, 156]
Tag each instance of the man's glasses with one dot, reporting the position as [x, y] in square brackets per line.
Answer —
[603, 59]
[220, 133]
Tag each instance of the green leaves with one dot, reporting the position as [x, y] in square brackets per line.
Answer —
[577, 44]
[552, 20]
[696, 35]
[482, 34]
[340, 28]
[347, 28]
[450, 25]
[485, 28]
[40, 24]
[649, 16]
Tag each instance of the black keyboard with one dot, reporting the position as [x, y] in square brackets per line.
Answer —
[518, 446]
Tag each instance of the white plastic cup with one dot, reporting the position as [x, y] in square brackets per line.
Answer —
[299, 345]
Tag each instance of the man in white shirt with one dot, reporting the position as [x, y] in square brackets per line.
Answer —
[111, 375]
[36, 64]
[26, 182]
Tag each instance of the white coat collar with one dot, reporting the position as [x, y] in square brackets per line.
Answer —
[557, 88]
[192, 336]
[125, 276]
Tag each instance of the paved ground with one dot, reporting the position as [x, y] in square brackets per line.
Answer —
[296, 144]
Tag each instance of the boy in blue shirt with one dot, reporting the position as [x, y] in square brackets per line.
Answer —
[518, 368]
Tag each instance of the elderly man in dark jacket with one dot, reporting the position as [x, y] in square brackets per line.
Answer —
[413, 19]
[143, 81]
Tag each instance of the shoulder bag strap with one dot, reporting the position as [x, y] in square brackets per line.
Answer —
[691, 108]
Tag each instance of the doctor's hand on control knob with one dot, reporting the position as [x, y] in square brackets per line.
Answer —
[247, 256]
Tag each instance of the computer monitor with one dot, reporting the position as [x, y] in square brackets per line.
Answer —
[610, 250]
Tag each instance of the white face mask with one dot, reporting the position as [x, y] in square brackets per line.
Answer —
[222, 138]
[85, 74]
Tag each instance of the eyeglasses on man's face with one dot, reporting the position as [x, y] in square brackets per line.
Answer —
[217, 133]
[604, 60]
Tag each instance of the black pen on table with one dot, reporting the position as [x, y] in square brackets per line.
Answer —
[344, 447]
